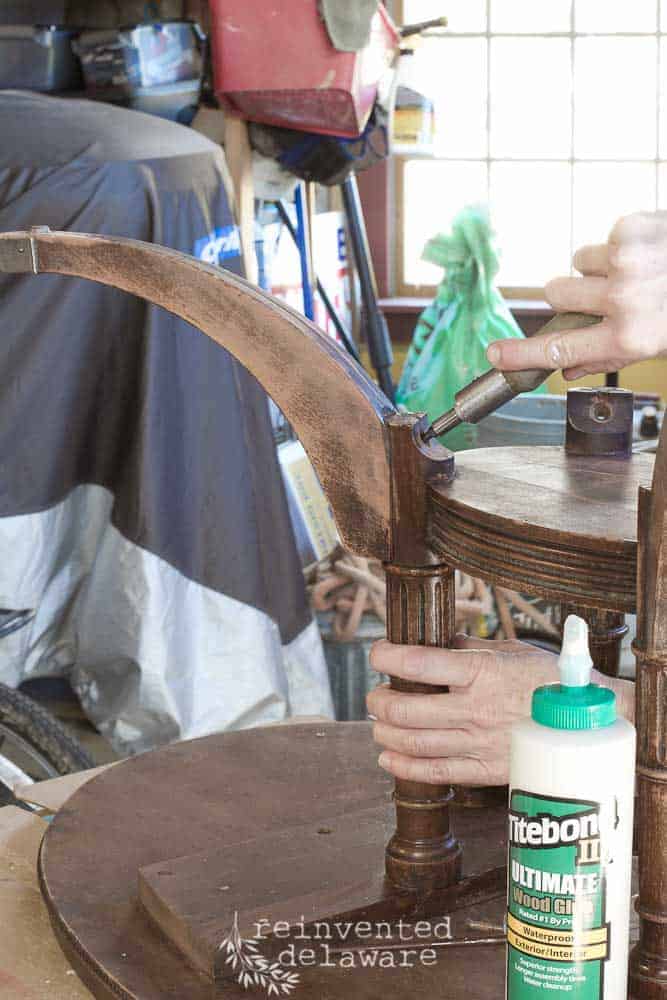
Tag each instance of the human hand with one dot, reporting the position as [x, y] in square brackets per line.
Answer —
[463, 737]
[625, 282]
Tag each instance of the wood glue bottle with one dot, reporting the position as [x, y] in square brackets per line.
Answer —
[572, 771]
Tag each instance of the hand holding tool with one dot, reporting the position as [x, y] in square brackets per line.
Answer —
[486, 393]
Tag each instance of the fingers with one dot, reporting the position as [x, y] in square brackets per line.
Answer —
[583, 295]
[571, 374]
[637, 248]
[427, 664]
[462, 641]
[592, 346]
[638, 228]
[593, 259]
[447, 771]
[456, 668]
[427, 742]
[418, 711]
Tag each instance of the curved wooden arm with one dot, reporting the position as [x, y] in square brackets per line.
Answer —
[336, 410]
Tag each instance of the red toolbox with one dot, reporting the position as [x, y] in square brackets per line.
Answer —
[273, 62]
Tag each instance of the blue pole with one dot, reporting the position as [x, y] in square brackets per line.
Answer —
[302, 243]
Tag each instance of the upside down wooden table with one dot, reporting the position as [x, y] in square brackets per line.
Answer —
[263, 826]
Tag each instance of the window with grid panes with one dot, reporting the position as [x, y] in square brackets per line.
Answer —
[554, 112]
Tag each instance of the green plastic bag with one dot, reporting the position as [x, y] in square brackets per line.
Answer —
[449, 345]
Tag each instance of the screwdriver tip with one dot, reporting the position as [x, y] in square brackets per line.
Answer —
[445, 423]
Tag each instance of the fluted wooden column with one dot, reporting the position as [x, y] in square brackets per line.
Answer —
[423, 854]
[420, 612]
[648, 960]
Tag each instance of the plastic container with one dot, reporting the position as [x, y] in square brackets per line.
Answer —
[38, 58]
[175, 101]
[528, 419]
[120, 64]
[572, 776]
[414, 112]
[283, 70]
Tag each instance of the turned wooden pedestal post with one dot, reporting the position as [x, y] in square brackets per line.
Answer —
[648, 960]
[423, 853]
[599, 423]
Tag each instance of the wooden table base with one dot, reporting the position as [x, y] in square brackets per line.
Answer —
[199, 797]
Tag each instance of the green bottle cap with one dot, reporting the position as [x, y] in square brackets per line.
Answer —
[575, 703]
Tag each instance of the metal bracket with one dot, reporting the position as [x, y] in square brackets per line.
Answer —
[18, 255]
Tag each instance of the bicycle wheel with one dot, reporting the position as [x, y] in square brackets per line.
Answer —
[34, 746]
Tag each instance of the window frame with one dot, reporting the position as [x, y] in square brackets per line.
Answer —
[400, 158]
[406, 290]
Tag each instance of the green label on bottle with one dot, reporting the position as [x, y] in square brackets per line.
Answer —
[558, 938]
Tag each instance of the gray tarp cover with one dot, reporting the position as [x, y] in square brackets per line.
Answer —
[142, 513]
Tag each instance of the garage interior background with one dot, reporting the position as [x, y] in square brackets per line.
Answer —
[378, 188]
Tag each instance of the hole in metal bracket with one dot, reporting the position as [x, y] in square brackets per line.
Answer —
[601, 412]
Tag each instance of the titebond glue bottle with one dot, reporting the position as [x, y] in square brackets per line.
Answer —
[570, 838]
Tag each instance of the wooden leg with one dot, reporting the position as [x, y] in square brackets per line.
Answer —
[239, 160]
[423, 853]
[606, 632]
[648, 961]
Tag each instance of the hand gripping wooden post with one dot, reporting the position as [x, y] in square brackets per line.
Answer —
[549, 522]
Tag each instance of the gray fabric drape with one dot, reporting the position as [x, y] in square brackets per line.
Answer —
[100, 388]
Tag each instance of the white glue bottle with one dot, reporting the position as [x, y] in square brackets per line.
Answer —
[572, 772]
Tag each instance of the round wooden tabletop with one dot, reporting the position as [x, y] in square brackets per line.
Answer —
[544, 522]
[201, 795]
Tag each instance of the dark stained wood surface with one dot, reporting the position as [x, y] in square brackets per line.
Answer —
[199, 796]
[299, 878]
[538, 520]
[338, 411]
[420, 612]
[648, 960]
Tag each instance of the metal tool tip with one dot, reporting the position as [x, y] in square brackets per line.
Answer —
[443, 424]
